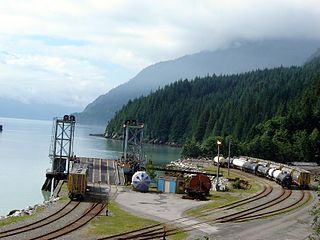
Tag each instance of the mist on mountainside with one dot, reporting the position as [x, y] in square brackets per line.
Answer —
[239, 58]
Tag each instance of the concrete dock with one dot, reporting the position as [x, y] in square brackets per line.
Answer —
[102, 173]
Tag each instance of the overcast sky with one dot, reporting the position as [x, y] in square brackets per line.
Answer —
[70, 52]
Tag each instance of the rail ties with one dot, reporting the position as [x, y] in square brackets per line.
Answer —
[74, 225]
[41, 222]
[285, 209]
[156, 231]
[280, 198]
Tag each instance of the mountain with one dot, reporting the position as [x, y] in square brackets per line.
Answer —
[272, 113]
[240, 57]
[16, 109]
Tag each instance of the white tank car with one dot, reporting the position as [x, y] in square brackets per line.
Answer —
[238, 162]
[287, 169]
[276, 165]
[270, 172]
[264, 162]
[222, 160]
[276, 173]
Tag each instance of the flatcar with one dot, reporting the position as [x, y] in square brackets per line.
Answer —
[77, 181]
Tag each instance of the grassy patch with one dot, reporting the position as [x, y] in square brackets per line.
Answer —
[178, 236]
[11, 220]
[217, 199]
[63, 195]
[255, 187]
[120, 221]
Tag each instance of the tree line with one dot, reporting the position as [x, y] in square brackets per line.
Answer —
[271, 113]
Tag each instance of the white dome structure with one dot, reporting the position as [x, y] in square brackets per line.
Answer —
[141, 181]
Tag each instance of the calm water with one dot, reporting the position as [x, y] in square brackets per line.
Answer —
[24, 149]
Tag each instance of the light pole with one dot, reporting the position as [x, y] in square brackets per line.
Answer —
[218, 168]
[229, 155]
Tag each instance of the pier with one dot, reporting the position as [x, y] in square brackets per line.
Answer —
[101, 174]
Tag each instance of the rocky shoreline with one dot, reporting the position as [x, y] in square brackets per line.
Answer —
[29, 210]
[154, 141]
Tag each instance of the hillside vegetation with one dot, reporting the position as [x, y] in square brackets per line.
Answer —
[272, 114]
[239, 57]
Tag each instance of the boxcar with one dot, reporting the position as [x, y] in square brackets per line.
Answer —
[301, 178]
[77, 181]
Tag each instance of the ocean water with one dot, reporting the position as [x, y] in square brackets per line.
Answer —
[24, 150]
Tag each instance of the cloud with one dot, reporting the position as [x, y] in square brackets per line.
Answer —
[78, 49]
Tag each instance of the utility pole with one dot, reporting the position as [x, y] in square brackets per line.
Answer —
[218, 167]
[229, 155]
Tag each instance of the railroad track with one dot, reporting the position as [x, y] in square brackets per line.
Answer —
[295, 204]
[45, 228]
[251, 213]
[75, 224]
[66, 209]
[94, 210]
[265, 192]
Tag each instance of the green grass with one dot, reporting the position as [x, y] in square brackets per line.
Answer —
[63, 197]
[120, 221]
[255, 187]
[232, 175]
[10, 220]
[217, 199]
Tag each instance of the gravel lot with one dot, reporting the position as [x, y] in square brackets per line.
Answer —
[295, 225]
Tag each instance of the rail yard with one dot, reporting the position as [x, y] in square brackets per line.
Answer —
[269, 204]
[273, 203]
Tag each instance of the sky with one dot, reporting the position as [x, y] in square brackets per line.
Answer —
[70, 52]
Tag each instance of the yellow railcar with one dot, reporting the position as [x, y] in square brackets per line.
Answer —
[77, 181]
[301, 178]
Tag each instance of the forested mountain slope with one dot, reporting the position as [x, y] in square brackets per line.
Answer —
[241, 57]
[269, 113]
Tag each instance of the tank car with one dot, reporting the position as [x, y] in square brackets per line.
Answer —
[275, 174]
[276, 165]
[284, 179]
[287, 169]
[270, 173]
[238, 162]
[262, 170]
[222, 161]
[199, 185]
[77, 181]
[250, 167]
[264, 162]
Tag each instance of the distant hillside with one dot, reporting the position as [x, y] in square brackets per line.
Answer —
[244, 57]
[16, 109]
[273, 113]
